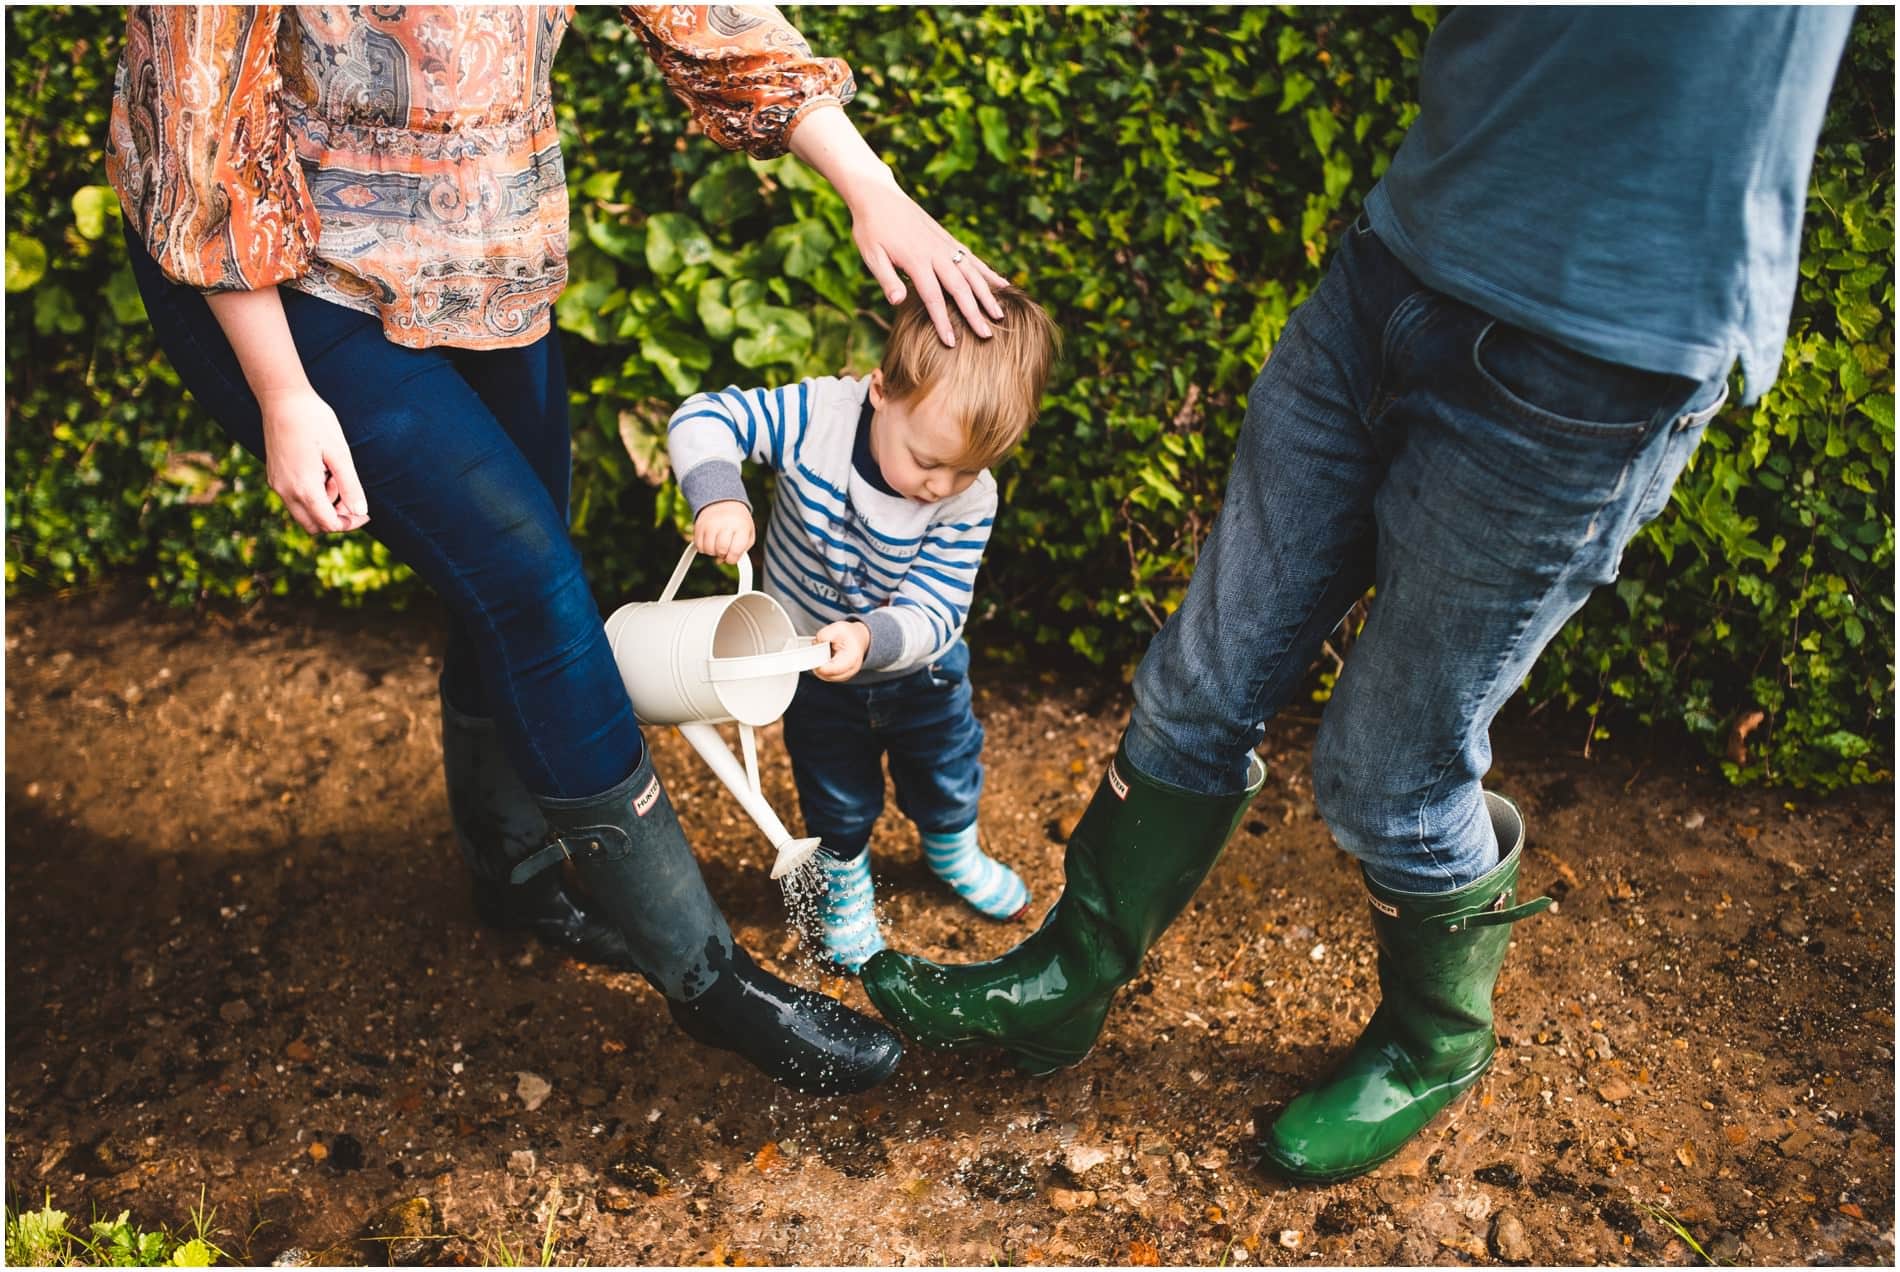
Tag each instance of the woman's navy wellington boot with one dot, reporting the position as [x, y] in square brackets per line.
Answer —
[637, 867]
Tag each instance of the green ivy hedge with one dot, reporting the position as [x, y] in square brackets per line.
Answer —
[1168, 182]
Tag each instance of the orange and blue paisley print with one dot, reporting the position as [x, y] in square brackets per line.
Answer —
[403, 159]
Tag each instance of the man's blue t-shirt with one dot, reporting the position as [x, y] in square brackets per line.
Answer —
[1627, 181]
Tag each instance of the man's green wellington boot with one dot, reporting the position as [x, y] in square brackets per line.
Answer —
[1138, 854]
[498, 824]
[1430, 1039]
[641, 874]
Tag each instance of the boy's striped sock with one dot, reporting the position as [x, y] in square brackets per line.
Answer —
[847, 921]
[987, 884]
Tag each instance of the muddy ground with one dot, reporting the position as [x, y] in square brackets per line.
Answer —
[241, 963]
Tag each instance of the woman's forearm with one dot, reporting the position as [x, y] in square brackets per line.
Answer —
[827, 142]
[254, 323]
[895, 236]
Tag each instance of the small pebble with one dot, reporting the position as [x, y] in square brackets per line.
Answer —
[1508, 1239]
[533, 1090]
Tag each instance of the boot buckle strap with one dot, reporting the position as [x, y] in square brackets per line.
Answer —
[550, 855]
[1499, 917]
[583, 845]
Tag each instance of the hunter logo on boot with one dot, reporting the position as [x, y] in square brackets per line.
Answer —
[1390, 911]
[1115, 782]
[643, 802]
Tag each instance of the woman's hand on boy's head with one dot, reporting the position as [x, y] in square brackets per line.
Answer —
[895, 235]
[724, 530]
[850, 641]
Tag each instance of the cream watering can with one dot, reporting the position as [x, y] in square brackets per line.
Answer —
[698, 663]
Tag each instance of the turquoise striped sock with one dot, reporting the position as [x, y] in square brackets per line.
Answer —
[991, 887]
[847, 921]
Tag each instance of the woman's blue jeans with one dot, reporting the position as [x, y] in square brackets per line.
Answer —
[464, 457]
[1481, 478]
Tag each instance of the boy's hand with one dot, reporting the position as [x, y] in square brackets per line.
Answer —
[850, 641]
[724, 530]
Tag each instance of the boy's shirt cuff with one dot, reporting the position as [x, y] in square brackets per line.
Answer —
[712, 481]
[887, 639]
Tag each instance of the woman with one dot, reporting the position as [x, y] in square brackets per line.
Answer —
[349, 225]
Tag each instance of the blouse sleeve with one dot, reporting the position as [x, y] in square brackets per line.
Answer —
[747, 76]
[199, 151]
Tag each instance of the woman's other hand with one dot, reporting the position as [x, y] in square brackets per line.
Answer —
[850, 641]
[724, 530]
[308, 463]
[894, 235]
[305, 457]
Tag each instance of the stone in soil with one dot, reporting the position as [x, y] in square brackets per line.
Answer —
[404, 1234]
[1500, 1174]
[1508, 1239]
[1070, 1200]
[533, 1089]
[346, 1153]
[633, 1168]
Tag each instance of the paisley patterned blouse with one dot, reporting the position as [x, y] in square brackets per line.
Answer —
[403, 159]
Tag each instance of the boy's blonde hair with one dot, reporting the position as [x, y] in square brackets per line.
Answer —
[993, 387]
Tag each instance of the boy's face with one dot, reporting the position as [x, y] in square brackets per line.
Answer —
[918, 448]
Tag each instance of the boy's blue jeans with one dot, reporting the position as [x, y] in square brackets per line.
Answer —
[838, 734]
[1481, 478]
[464, 457]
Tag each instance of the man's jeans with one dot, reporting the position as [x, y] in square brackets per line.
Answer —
[1483, 479]
[837, 735]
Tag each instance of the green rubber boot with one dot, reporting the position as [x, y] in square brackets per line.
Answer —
[1138, 854]
[1430, 1039]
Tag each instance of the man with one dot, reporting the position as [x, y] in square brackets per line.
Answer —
[1596, 215]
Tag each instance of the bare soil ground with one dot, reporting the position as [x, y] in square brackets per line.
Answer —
[242, 963]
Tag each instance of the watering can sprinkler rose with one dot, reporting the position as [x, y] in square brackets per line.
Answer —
[697, 663]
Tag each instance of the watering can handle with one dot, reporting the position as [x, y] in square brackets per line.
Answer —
[787, 662]
[686, 561]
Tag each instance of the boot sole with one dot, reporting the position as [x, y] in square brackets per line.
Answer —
[870, 1079]
[1034, 1061]
[1031, 1061]
[793, 1081]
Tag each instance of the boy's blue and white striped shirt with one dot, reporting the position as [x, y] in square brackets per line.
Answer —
[835, 546]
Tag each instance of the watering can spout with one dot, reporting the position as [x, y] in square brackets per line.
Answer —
[705, 739]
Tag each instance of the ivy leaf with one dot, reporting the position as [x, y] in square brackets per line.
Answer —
[678, 357]
[805, 245]
[772, 335]
[728, 192]
[92, 204]
[614, 236]
[1879, 409]
[674, 241]
[26, 262]
[715, 315]
[55, 310]
[995, 129]
[601, 185]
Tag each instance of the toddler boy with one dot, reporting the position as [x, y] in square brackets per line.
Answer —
[882, 508]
